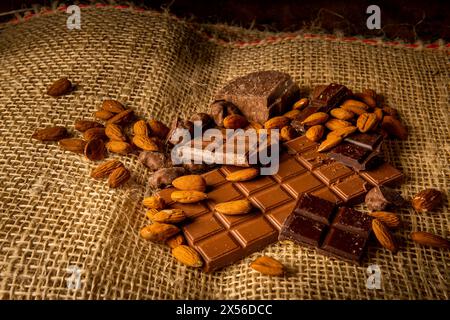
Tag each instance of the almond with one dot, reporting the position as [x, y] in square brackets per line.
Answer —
[255, 125]
[122, 118]
[243, 175]
[190, 182]
[355, 106]
[94, 133]
[367, 122]
[184, 196]
[105, 169]
[119, 147]
[330, 142]
[367, 98]
[343, 132]
[315, 133]
[268, 266]
[315, 118]
[113, 106]
[342, 114]
[151, 213]
[159, 232]
[390, 111]
[118, 177]
[301, 104]
[103, 114]
[384, 237]
[83, 125]
[158, 128]
[235, 121]
[391, 220]
[430, 239]
[187, 255]
[394, 127]
[370, 93]
[145, 143]
[94, 150]
[140, 128]
[175, 241]
[379, 113]
[114, 132]
[60, 87]
[277, 122]
[288, 133]
[169, 216]
[234, 207]
[427, 200]
[153, 202]
[334, 124]
[292, 114]
[73, 144]
[50, 134]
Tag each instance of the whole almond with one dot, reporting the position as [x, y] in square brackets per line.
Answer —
[255, 125]
[334, 124]
[383, 235]
[190, 182]
[158, 128]
[427, 200]
[367, 122]
[369, 92]
[343, 132]
[140, 128]
[330, 142]
[103, 114]
[94, 150]
[394, 127]
[60, 87]
[154, 202]
[122, 118]
[366, 98]
[113, 106]
[342, 114]
[175, 241]
[114, 132]
[268, 266]
[379, 113]
[430, 239]
[390, 111]
[94, 133]
[277, 122]
[83, 125]
[315, 133]
[292, 114]
[159, 232]
[169, 216]
[105, 169]
[391, 220]
[183, 196]
[243, 175]
[288, 133]
[73, 144]
[187, 255]
[50, 134]
[151, 213]
[118, 177]
[119, 147]
[235, 121]
[234, 207]
[315, 118]
[145, 143]
[301, 104]
[355, 106]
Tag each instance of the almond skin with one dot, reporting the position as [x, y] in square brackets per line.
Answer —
[145, 143]
[355, 106]
[277, 122]
[175, 241]
[112, 106]
[234, 207]
[122, 118]
[153, 202]
[114, 132]
[169, 216]
[301, 104]
[94, 133]
[60, 87]
[187, 255]
[342, 114]
[158, 128]
[95, 150]
[188, 196]
[118, 177]
[235, 121]
[190, 182]
[343, 132]
[315, 133]
[105, 169]
[103, 114]
[334, 124]
[140, 128]
[427, 200]
[73, 144]
[119, 147]
[159, 232]
[268, 266]
[243, 175]
[384, 237]
[394, 127]
[429, 239]
[391, 220]
[367, 122]
[329, 142]
[50, 134]
[83, 125]
[315, 118]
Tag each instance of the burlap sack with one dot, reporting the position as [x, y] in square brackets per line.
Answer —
[57, 222]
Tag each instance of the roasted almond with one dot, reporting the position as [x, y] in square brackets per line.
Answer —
[301, 104]
[235, 121]
[83, 125]
[390, 111]
[342, 114]
[113, 106]
[122, 118]
[151, 213]
[159, 232]
[430, 239]
[255, 125]
[383, 235]
[355, 106]
[277, 122]
[379, 113]
[94, 133]
[73, 144]
[119, 147]
[50, 134]
[243, 175]
[292, 114]
[184, 196]
[103, 114]
[114, 132]
[343, 132]
[330, 142]
[394, 127]
[190, 182]
[145, 143]
[315, 133]
[169, 216]
[154, 202]
[315, 118]
[187, 255]
[94, 150]
[175, 241]
[268, 266]
[367, 122]
[140, 128]
[105, 169]
[60, 87]
[288, 133]
[234, 207]
[158, 128]
[391, 220]
[334, 124]
[367, 98]
[427, 200]
[118, 177]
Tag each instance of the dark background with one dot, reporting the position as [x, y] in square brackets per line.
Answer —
[411, 20]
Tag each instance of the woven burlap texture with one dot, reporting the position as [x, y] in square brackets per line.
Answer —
[54, 217]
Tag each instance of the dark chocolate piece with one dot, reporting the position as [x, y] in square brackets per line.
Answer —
[220, 109]
[355, 156]
[181, 131]
[331, 97]
[382, 198]
[261, 95]
[370, 141]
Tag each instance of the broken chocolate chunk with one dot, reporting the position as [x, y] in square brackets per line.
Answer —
[331, 97]
[181, 131]
[382, 198]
